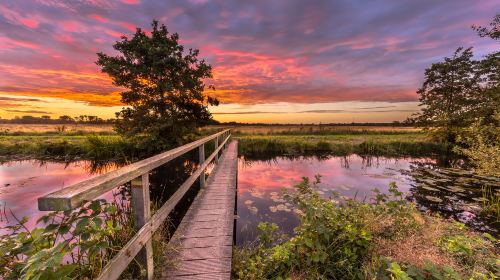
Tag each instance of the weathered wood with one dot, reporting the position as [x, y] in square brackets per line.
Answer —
[121, 260]
[72, 197]
[142, 213]
[216, 145]
[201, 152]
[205, 235]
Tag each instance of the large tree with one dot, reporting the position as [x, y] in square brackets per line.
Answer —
[460, 91]
[164, 88]
[450, 94]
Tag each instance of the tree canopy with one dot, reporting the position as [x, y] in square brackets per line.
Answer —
[164, 87]
[461, 90]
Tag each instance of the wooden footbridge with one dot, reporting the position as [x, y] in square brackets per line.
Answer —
[205, 234]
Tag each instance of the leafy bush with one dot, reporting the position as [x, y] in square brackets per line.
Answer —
[341, 241]
[67, 245]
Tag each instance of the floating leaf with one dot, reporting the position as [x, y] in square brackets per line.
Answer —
[433, 198]
[248, 202]
[429, 188]
[455, 189]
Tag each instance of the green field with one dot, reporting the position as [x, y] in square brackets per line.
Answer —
[253, 141]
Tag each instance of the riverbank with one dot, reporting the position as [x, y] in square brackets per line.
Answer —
[370, 144]
[105, 145]
[65, 147]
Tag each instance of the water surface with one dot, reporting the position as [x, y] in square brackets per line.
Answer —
[260, 185]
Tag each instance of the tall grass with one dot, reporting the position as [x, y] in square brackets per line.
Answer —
[94, 147]
[255, 145]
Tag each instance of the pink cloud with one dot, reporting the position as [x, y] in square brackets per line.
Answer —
[64, 38]
[7, 43]
[131, 2]
[31, 23]
[129, 26]
[98, 18]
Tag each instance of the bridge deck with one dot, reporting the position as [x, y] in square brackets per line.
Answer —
[205, 235]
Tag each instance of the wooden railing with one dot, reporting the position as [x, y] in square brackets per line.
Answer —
[140, 245]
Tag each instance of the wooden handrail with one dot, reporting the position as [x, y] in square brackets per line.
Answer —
[140, 245]
[74, 196]
[121, 260]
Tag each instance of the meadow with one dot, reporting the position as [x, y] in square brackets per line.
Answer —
[13, 129]
[100, 142]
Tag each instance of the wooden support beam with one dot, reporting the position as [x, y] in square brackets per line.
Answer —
[142, 214]
[201, 151]
[216, 145]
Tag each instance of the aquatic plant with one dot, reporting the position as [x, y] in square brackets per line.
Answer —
[387, 238]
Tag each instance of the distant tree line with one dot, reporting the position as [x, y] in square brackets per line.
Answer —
[388, 124]
[83, 119]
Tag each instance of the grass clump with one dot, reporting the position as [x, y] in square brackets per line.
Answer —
[385, 239]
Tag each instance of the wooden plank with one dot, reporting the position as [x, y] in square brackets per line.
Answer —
[205, 242]
[205, 276]
[205, 234]
[197, 269]
[73, 196]
[121, 260]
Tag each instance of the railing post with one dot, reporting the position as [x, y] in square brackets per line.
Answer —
[216, 145]
[142, 214]
[201, 151]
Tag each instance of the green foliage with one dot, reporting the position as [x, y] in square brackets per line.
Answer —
[340, 242]
[165, 88]
[470, 249]
[481, 143]
[493, 32]
[390, 144]
[67, 245]
[491, 203]
[428, 272]
[450, 95]
[331, 242]
[460, 90]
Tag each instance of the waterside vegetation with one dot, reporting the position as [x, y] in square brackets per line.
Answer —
[386, 238]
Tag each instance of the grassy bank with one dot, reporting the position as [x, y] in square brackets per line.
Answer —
[253, 141]
[388, 238]
[65, 147]
[375, 144]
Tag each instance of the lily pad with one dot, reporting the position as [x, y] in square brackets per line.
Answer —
[248, 202]
[433, 198]
[253, 209]
[455, 189]
[429, 188]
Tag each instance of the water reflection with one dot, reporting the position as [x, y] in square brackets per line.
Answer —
[259, 182]
[23, 182]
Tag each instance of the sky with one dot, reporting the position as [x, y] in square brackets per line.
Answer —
[281, 61]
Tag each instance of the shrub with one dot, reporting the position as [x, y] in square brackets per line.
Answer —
[344, 240]
[67, 245]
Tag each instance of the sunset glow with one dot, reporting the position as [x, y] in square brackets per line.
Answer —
[279, 61]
